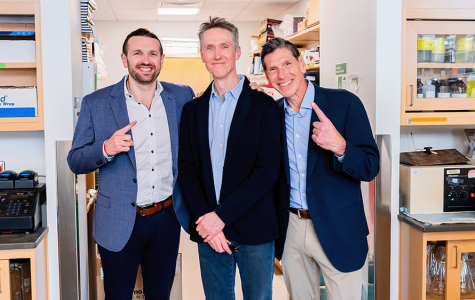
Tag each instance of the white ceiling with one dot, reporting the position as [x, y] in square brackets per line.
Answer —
[232, 10]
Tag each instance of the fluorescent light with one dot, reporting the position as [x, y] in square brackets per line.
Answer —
[178, 11]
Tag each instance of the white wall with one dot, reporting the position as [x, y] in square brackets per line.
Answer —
[23, 150]
[112, 34]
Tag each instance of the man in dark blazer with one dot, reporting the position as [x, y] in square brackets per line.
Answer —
[328, 149]
[130, 132]
[229, 158]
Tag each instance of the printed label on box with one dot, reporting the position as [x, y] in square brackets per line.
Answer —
[21, 102]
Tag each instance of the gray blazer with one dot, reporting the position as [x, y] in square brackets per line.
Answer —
[102, 113]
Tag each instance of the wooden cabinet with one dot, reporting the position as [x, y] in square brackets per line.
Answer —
[23, 73]
[434, 47]
[31, 246]
[413, 257]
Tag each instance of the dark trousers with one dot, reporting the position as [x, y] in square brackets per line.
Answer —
[154, 245]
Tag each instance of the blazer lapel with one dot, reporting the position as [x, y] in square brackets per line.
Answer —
[285, 149]
[242, 108]
[314, 149]
[172, 118]
[119, 109]
[202, 126]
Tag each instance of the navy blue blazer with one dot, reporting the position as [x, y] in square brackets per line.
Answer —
[103, 113]
[333, 188]
[250, 169]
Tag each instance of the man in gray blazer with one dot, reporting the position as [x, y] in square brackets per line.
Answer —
[130, 132]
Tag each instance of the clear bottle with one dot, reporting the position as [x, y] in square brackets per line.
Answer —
[449, 43]
[465, 276]
[465, 49]
[429, 89]
[425, 44]
[420, 93]
[444, 91]
[438, 283]
[438, 50]
[435, 82]
[460, 90]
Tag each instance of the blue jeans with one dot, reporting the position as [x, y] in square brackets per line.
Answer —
[256, 266]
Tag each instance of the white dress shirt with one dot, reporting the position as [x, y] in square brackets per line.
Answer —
[152, 147]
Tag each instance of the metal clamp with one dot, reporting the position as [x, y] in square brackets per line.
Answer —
[456, 257]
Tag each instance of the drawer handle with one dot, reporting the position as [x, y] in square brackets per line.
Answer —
[456, 257]
[412, 95]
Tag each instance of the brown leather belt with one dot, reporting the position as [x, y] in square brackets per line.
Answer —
[155, 207]
[302, 213]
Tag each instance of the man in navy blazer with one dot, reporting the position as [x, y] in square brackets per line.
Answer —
[229, 158]
[130, 132]
[328, 149]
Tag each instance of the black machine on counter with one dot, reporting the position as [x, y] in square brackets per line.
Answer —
[21, 197]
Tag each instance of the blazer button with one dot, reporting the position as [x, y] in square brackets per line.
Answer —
[135, 180]
[99, 163]
[133, 204]
[351, 171]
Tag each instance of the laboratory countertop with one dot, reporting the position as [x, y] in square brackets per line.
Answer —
[435, 228]
[22, 240]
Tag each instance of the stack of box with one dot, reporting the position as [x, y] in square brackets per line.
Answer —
[266, 30]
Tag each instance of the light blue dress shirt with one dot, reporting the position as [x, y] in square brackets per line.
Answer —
[221, 114]
[297, 128]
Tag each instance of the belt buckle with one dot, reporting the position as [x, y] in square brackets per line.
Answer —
[298, 213]
[141, 212]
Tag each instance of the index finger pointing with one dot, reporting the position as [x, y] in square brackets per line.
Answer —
[319, 112]
[127, 128]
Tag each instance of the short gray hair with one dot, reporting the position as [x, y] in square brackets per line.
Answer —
[217, 22]
[278, 43]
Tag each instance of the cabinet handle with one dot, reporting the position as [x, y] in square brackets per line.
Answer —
[456, 257]
[412, 95]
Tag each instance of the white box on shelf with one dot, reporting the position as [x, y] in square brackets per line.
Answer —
[17, 51]
[18, 102]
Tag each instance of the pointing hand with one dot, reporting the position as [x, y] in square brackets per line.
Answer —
[120, 141]
[325, 134]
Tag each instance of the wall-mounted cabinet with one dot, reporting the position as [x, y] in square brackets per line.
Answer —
[22, 21]
[438, 72]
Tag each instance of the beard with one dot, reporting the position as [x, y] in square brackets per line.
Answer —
[141, 79]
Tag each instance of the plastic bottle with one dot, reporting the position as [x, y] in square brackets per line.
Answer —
[438, 50]
[429, 89]
[425, 44]
[471, 86]
[420, 93]
[435, 82]
[449, 56]
[465, 49]
[460, 90]
[443, 90]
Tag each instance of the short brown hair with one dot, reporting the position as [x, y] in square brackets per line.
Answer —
[217, 22]
[141, 32]
[278, 43]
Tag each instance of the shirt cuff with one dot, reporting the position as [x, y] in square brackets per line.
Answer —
[108, 158]
[340, 158]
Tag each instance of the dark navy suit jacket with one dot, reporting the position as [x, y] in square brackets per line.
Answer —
[333, 188]
[250, 169]
[103, 113]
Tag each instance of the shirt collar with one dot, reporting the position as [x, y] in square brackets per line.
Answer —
[235, 92]
[308, 98]
[158, 91]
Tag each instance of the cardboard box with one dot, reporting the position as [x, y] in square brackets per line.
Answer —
[18, 102]
[17, 51]
[20, 279]
[266, 25]
[265, 37]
